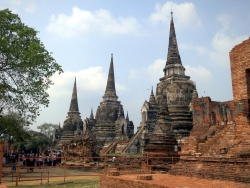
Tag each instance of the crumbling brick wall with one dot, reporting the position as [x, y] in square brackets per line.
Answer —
[207, 113]
[222, 128]
[213, 169]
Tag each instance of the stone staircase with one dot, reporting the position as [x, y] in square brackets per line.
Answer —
[120, 146]
[66, 137]
[107, 149]
[123, 151]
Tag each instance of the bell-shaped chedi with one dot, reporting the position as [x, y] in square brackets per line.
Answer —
[73, 119]
[89, 123]
[162, 140]
[177, 87]
[110, 92]
[108, 128]
[72, 124]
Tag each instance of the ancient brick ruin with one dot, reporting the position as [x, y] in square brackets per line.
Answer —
[109, 126]
[219, 144]
[72, 126]
[221, 129]
[176, 91]
[206, 133]
[81, 146]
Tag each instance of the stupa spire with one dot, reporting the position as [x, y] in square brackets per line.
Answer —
[91, 114]
[152, 97]
[152, 92]
[74, 102]
[127, 118]
[59, 127]
[173, 51]
[110, 92]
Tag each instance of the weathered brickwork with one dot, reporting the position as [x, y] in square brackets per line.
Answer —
[221, 129]
[240, 70]
[213, 169]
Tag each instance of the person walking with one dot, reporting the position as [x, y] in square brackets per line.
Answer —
[32, 162]
[54, 159]
[13, 164]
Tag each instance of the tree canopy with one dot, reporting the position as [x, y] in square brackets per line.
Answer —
[12, 128]
[47, 129]
[38, 141]
[26, 67]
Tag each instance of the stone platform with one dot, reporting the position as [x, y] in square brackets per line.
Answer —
[165, 181]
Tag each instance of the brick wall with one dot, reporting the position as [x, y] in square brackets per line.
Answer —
[240, 73]
[222, 128]
[207, 113]
[213, 169]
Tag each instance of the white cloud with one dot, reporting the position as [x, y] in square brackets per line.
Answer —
[185, 14]
[85, 21]
[222, 42]
[199, 75]
[91, 79]
[155, 70]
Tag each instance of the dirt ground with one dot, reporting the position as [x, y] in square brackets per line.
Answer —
[50, 175]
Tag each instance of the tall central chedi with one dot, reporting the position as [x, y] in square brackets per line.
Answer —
[176, 88]
[111, 124]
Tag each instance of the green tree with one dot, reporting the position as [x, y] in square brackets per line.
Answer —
[13, 129]
[47, 129]
[26, 67]
[38, 141]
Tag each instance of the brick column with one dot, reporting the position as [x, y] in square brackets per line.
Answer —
[240, 73]
[240, 70]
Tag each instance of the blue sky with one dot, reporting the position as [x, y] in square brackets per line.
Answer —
[82, 34]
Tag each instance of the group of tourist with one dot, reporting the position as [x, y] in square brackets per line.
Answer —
[31, 160]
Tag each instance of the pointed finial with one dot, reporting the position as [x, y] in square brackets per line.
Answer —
[171, 13]
[91, 114]
[110, 92]
[152, 93]
[127, 118]
[112, 58]
[74, 102]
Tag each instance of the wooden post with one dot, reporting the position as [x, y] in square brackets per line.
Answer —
[64, 168]
[105, 163]
[17, 168]
[1, 159]
[147, 163]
